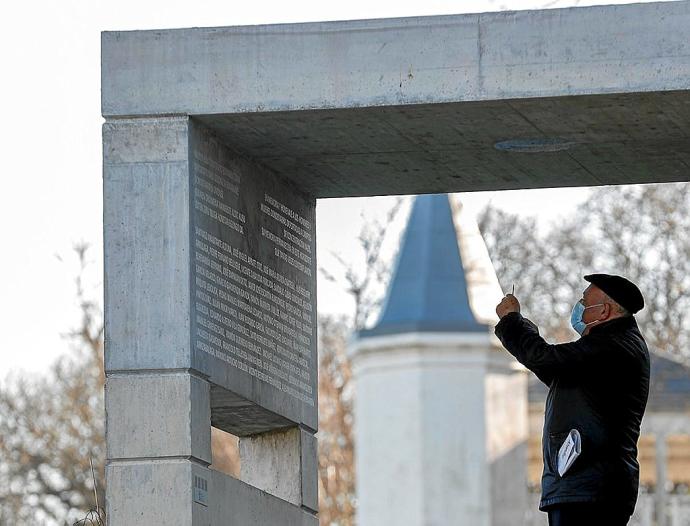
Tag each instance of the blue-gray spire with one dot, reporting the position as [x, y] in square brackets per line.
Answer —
[428, 289]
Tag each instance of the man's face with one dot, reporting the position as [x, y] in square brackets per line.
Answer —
[593, 295]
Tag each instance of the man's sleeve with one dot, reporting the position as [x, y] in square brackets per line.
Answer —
[521, 338]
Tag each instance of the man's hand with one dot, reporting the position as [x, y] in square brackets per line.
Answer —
[508, 304]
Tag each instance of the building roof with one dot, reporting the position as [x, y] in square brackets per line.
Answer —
[428, 291]
[669, 386]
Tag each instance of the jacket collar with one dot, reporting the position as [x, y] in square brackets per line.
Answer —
[615, 325]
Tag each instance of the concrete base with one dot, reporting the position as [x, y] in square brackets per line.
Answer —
[183, 493]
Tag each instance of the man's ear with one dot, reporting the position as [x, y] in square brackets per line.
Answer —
[607, 311]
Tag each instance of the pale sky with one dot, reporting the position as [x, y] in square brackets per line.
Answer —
[51, 149]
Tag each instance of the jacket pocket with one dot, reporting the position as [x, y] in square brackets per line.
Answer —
[555, 442]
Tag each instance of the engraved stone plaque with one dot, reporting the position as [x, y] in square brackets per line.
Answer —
[253, 289]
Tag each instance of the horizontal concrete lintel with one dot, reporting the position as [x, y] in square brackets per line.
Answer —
[453, 58]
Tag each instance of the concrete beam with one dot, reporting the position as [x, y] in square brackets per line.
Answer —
[420, 60]
[531, 99]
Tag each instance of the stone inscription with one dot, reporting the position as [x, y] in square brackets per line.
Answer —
[248, 313]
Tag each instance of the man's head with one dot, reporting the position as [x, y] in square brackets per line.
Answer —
[608, 297]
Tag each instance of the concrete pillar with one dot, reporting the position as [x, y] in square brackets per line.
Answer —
[157, 410]
[159, 442]
[209, 319]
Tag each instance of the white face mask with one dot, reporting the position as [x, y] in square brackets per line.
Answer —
[576, 317]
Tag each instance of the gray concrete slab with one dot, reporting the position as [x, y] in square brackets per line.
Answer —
[271, 462]
[178, 492]
[284, 464]
[309, 469]
[253, 288]
[434, 148]
[384, 62]
[151, 492]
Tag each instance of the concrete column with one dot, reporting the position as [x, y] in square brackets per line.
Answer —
[157, 410]
[661, 468]
[209, 319]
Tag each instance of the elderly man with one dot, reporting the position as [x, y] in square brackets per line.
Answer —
[598, 387]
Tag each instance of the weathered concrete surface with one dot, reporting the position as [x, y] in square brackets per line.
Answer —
[169, 498]
[437, 148]
[146, 243]
[235, 503]
[457, 58]
[158, 415]
[418, 105]
[283, 464]
[210, 318]
[157, 492]
[309, 469]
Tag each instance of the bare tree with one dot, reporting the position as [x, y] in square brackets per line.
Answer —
[363, 282]
[546, 268]
[642, 231]
[336, 444]
[51, 426]
[636, 231]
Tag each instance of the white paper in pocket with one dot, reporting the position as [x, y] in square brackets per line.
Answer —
[569, 451]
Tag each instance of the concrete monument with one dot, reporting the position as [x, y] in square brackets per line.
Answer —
[218, 141]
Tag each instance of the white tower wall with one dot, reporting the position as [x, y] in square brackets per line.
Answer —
[440, 431]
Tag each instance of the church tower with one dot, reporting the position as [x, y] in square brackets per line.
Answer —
[440, 409]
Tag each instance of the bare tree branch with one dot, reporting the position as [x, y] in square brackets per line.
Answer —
[49, 426]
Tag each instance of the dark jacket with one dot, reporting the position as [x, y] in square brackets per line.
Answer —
[598, 385]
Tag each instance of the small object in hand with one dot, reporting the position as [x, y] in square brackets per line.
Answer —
[512, 293]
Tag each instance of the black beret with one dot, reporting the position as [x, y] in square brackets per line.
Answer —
[621, 290]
